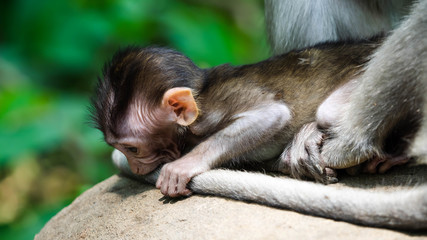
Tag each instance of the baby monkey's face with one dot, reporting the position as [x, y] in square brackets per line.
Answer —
[146, 153]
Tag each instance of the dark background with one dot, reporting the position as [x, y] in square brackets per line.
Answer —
[51, 53]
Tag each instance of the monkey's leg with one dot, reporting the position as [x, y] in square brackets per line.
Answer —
[390, 93]
[302, 157]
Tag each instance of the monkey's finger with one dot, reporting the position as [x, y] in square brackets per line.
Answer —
[316, 135]
[172, 188]
[298, 159]
[187, 192]
[165, 181]
[285, 162]
[317, 169]
[158, 183]
[299, 172]
[330, 172]
[313, 162]
[182, 186]
[330, 180]
[291, 160]
[164, 188]
[299, 168]
[312, 146]
[331, 176]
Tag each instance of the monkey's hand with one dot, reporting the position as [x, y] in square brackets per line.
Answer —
[175, 176]
[303, 159]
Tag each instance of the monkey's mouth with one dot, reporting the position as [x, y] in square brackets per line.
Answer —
[141, 168]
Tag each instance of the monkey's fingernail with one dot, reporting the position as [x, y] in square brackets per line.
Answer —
[331, 179]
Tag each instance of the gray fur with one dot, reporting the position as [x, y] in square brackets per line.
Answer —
[298, 24]
[393, 87]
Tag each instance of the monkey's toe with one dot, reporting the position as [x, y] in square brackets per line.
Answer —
[381, 165]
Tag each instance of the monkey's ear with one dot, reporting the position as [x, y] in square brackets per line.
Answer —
[181, 103]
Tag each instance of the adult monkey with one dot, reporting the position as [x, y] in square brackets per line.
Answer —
[405, 209]
[366, 126]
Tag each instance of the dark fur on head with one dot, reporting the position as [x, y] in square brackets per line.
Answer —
[146, 73]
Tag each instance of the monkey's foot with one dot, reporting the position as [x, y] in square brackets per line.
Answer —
[303, 160]
[341, 151]
[381, 165]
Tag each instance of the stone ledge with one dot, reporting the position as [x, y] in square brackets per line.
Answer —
[121, 208]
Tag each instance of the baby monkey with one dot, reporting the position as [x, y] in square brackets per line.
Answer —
[157, 107]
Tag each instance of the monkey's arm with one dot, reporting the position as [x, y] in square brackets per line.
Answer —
[249, 130]
[404, 209]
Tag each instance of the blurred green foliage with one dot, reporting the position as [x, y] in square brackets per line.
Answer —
[50, 55]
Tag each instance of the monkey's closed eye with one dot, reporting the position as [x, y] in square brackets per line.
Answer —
[132, 149]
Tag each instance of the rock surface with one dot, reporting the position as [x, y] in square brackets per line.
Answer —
[122, 208]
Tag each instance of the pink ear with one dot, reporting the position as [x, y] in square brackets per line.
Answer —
[180, 100]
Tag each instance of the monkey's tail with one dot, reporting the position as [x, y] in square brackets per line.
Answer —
[403, 209]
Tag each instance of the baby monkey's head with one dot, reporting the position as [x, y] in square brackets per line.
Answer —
[143, 101]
